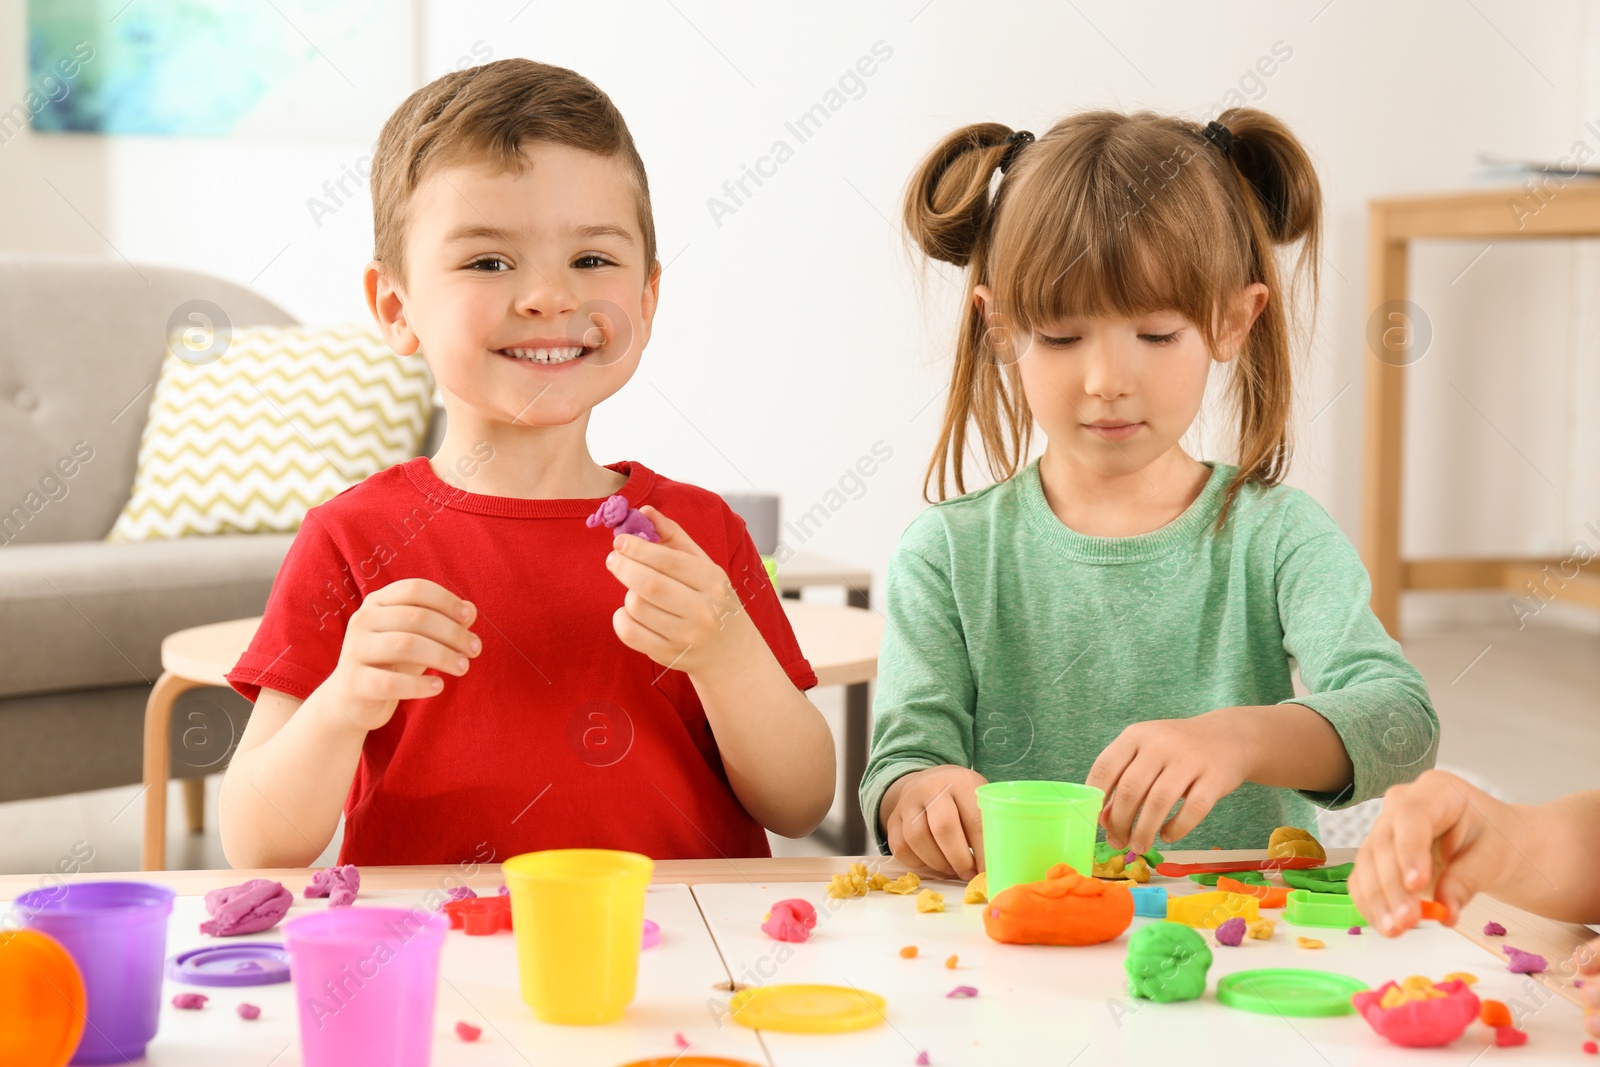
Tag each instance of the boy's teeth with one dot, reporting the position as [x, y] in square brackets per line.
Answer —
[546, 355]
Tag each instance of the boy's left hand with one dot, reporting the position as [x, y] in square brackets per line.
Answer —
[1151, 765]
[680, 610]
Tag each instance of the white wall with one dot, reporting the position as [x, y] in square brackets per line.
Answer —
[795, 334]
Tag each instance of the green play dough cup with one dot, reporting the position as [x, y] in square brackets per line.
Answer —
[1029, 827]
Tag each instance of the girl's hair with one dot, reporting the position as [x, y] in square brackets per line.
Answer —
[1115, 214]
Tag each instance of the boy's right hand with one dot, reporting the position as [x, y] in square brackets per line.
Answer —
[931, 819]
[1438, 831]
[398, 632]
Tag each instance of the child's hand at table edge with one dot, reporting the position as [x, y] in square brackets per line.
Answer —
[681, 610]
[931, 820]
[1437, 831]
[1153, 764]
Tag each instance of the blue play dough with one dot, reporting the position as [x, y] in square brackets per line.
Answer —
[1149, 900]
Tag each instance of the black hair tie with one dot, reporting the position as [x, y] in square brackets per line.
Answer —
[1219, 135]
[1014, 144]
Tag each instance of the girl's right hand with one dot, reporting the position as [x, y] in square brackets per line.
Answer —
[399, 631]
[1438, 831]
[931, 819]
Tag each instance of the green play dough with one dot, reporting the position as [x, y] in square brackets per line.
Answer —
[1103, 852]
[1321, 879]
[1167, 962]
[1247, 877]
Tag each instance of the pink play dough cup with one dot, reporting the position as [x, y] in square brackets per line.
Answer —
[365, 981]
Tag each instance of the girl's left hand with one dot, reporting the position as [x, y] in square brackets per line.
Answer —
[1152, 765]
[680, 610]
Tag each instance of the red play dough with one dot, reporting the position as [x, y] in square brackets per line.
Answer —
[1508, 1036]
[1063, 909]
[1420, 1023]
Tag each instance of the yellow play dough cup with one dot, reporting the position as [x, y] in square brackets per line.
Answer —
[577, 913]
[1029, 827]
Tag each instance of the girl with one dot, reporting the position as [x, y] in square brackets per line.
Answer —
[1118, 612]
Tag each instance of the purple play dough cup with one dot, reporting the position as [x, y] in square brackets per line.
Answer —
[117, 934]
[364, 982]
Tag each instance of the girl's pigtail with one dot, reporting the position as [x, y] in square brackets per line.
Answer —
[1283, 203]
[947, 212]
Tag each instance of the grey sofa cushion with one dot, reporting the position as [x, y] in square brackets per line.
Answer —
[82, 340]
[91, 614]
[94, 739]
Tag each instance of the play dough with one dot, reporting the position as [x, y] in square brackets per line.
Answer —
[1321, 879]
[248, 1011]
[977, 891]
[1167, 962]
[1418, 1019]
[1270, 896]
[1289, 842]
[338, 884]
[246, 908]
[1231, 933]
[1210, 878]
[853, 883]
[1493, 929]
[617, 515]
[929, 901]
[468, 1032]
[1524, 962]
[1212, 909]
[1261, 929]
[1063, 909]
[904, 885]
[190, 1001]
[790, 920]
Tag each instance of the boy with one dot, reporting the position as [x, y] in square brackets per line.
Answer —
[467, 669]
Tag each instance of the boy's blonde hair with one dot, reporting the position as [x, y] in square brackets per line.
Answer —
[1115, 214]
[492, 112]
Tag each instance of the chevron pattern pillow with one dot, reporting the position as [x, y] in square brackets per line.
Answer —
[285, 418]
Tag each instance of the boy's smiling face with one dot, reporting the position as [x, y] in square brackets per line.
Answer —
[528, 291]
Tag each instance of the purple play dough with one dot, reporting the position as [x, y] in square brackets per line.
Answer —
[248, 1011]
[338, 884]
[961, 992]
[247, 908]
[623, 519]
[1493, 929]
[460, 892]
[190, 1001]
[1231, 932]
[1524, 962]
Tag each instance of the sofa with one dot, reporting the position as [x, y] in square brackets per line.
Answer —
[82, 342]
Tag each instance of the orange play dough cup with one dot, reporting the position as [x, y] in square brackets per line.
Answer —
[42, 1004]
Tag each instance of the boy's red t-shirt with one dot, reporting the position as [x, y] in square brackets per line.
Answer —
[559, 735]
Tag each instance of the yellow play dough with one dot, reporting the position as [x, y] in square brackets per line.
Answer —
[977, 891]
[928, 901]
[904, 885]
[1287, 842]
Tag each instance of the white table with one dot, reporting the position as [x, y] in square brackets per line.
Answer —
[1035, 1004]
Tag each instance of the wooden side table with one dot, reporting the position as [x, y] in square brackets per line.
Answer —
[1571, 210]
[840, 642]
[190, 658]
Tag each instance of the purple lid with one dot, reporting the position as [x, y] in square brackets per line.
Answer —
[244, 963]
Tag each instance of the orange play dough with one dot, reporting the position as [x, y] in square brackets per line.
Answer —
[1064, 909]
[1271, 896]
